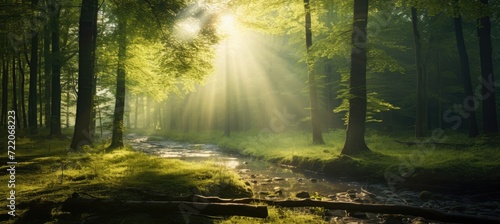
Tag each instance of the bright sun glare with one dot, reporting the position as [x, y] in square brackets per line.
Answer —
[227, 24]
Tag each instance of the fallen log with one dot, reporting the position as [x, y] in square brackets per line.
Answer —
[215, 206]
[427, 213]
[83, 205]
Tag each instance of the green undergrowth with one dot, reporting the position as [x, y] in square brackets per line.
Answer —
[444, 157]
[283, 216]
[124, 174]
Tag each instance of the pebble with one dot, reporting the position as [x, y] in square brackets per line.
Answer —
[303, 194]
[278, 179]
[313, 180]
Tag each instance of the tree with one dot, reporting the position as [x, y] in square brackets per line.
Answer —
[117, 139]
[420, 111]
[465, 73]
[355, 136]
[5, 82]
[317, 136]
[490, 122]
[32, 96]
[81, 134]
[55, 115]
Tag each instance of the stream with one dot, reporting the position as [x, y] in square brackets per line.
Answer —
[273, 181]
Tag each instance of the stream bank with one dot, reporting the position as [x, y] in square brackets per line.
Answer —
[302, 180]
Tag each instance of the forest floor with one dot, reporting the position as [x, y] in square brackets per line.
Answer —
[443, 162]
[47, 174]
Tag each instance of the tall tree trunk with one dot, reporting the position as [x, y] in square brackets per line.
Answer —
[136, 113]
[227, 113]
[127, 109]
[14, 92]
[23, 103]
[148, 112]
[490, 122]
[5, 89]
[55, 120]
[465, 72]
[94, 80]
[81, 135]
[420, 113]
[355, 136]
[317, 136]
[32, 96]
[48, 73]
[440, 93]
[40, 101]
[117, 139]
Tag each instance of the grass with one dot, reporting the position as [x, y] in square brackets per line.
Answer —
[462, 159]
[53, 175]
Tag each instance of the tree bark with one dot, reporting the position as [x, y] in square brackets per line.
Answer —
[465, 72]
[117, 139]
[197, 204]
[14, 92]
[55, 116]
[317, 135]
[81, 134]
[420, 113]
[490, 122]
[32, 96]
[47, 72]
[227, 113]
[5, 89]
[23, 103]
[355, 136]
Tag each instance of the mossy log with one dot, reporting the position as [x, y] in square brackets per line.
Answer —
[215, 206]
[87, 205]
[427, 213]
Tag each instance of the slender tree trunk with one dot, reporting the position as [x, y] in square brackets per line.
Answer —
[55, 121]
[23, 103]
[40, 100]
[117, 139]
[94, 80]
[127, 109]
[227, 113]
[317, 136]
[355, 136]
[32, 96]
[5, 89]
[419, 117]
[490, 122]
[440, 92]
[67, 105]
[136, 113]
[48, 73]
[14, 92]
[81, 135]
[465, 72]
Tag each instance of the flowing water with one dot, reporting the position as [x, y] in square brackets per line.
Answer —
[273, 181]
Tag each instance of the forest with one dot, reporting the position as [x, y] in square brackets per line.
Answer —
[261, 111]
